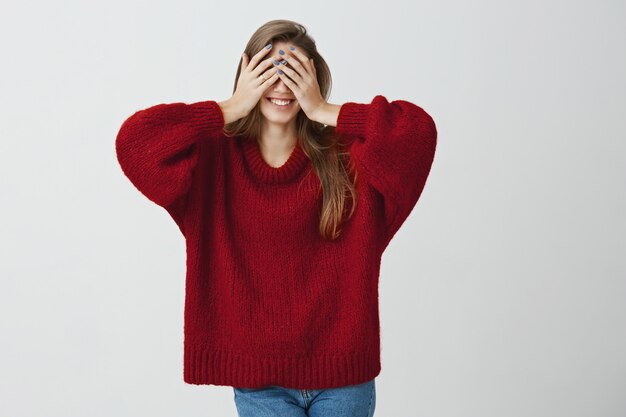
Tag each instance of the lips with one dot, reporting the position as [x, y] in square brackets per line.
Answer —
[291, 101]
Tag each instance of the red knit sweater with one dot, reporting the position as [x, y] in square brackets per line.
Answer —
[268, 301]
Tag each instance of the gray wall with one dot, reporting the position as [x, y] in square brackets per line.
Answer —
[502, 295]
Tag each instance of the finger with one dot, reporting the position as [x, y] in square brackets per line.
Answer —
[304, 73]
[300, 55]
[259, 55]
[293, 75]
[267, 75]
[267, 83]
[264, 65]
[292, 86]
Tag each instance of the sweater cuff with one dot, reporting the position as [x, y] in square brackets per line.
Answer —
[207, 116]
[352, 118]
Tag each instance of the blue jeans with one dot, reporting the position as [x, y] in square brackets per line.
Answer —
[275, 401]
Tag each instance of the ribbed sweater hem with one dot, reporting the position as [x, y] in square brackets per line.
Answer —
[206, 366]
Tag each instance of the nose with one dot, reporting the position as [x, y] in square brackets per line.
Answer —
[280, 86]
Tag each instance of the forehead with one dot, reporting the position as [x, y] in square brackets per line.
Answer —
[276, 46]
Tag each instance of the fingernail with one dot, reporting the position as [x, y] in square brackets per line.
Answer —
[280, 72]
[268, 46]
[280, 51]
[276, 62]
[293, 48]
[283, 62]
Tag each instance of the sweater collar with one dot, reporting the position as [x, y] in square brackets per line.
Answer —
[267, 173]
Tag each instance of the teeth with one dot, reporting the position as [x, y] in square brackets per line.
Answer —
[280, 102]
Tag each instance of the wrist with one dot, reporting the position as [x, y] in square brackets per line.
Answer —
[327, 114]
[230, 110]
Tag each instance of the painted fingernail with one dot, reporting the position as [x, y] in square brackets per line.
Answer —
[268, 46]
[276, 62]
[280, 72]
[280, 51]
[283, 62]
[293, 48]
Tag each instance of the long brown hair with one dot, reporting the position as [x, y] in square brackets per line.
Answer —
[331, 162]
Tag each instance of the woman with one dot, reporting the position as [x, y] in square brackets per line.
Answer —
[286, 203]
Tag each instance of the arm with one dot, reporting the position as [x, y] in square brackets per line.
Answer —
[395, 147]
[157, 149]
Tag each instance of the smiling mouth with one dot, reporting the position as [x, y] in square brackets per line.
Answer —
[280, 103]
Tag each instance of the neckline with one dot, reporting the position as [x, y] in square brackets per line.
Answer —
[274, 175]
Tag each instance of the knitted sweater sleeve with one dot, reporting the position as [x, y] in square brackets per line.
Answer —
[157, 149]
[394, 144]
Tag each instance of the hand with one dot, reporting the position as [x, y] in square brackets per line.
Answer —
[250, 86]
[302, 81]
